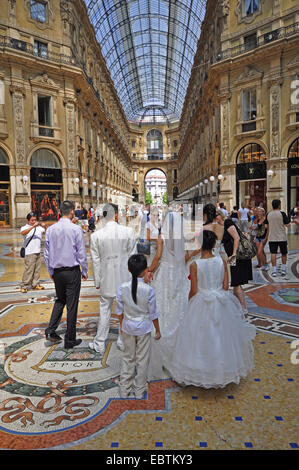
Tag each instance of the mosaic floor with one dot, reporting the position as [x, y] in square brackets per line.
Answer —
[52, 398]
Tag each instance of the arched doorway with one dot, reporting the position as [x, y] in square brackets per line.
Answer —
[293, 174]
[155, 183]
[4, 189]
[251, 175]
[154, 145]
[46, 184]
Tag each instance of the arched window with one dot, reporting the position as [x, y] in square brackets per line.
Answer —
[294, 149]
[251, 153]
[3, 157]
[45, 158]
[154, 145]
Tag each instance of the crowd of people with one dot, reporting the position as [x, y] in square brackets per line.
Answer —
[175, 308]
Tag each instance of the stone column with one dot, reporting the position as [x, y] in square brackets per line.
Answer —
[277, 184]
[72, 189]
[226, 194]
[21, 196]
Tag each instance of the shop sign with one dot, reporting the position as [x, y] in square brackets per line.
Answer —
[4, 173]
[251, 171]
[45, 175]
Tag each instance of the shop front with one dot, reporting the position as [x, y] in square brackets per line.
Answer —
[46, 185]
[251, 176]
[4, 190]
[293, 175]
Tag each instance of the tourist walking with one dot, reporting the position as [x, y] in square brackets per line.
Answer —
[240, 270]
[260, 239]
[32, 233]
[235, 216]
[64, 253]
[110, 248]
[244, 218]
[277, 221]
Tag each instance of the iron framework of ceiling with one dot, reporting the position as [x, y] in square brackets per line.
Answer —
[149, 48]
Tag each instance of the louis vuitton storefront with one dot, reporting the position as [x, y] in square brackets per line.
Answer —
[4, 189]
[251, 176]
[293, 175]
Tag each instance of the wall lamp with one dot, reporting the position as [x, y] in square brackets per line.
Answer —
[270, 173]
[25, 179]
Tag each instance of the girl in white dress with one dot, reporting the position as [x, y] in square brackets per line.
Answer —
[171, 286]
[214, 342]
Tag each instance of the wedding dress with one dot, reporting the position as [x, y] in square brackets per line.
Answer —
[213, 345]
[171, 286]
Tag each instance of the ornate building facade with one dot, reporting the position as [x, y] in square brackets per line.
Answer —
[63, 132]
[154, 146]
[239, 128]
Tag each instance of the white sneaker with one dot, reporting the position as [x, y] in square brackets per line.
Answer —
[283, 273]
[120, 345]
[274, 274]
[100, 351]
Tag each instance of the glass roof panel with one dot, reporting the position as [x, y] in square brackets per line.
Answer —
[149, 47]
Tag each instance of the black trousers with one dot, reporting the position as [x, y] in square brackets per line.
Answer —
[67, 284]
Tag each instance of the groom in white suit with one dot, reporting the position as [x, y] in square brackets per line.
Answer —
[110, 249]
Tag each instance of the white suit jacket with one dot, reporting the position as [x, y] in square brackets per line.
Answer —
[110, 249]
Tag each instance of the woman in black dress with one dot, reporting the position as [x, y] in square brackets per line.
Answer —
[235, 216]
[241, 273]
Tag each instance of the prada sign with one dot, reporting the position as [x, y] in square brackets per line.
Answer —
[45, 175]
[251, 171]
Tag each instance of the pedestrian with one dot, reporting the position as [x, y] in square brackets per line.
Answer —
[240, 269]
[223, 209]
[32, 233]
[277, 221]
[260, 239]
[235, 216]
[137, 311]
[64, 253]
[244, 218]
[110, 248]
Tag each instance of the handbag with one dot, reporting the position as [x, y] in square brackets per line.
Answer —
[144, 247]
[22, 250]
[246, 249]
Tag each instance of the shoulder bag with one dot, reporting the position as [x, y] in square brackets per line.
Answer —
[22, 250]
[246, 249]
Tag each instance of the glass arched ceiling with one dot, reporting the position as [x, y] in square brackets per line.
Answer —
[149, 47]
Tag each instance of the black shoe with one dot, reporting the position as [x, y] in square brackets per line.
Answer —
[53, 337]
[73, 344]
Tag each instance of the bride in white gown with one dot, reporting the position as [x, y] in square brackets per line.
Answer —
[213, 344]
[171, 285]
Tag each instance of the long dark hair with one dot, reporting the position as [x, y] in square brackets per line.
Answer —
[136, 264]
[210, 211]
[208, 240]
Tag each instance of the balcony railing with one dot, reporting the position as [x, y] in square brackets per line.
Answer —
[266, 38]
[23, 46]
[46, 131]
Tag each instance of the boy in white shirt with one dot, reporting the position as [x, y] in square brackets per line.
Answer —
[137, 311]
